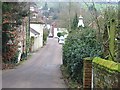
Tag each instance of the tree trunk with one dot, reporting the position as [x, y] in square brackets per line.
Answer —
[118, 43]
[112, 39]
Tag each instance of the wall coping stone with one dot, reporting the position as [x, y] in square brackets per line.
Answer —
[88, 58]
[111, 65]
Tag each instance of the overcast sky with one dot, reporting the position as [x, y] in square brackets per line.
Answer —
[60, 0]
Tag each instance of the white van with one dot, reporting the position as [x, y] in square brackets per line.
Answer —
[61, 40]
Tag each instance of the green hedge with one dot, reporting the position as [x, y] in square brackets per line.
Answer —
[78, 45]
[108, 64]
[45, 35]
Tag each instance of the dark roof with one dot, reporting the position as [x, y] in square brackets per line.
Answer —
[37, 21]
[34, 31]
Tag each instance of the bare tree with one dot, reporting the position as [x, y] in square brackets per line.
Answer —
[67, 13]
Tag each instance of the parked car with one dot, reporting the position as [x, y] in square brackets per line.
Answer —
[61, 40]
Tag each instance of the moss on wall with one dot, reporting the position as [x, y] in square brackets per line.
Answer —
[109, 65]
[105, 73]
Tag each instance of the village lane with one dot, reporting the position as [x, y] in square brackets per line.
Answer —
[41, 70]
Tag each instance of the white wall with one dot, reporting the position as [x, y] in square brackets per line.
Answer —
[38, 41]
[20, 51]
[36, 44]
[55, 32]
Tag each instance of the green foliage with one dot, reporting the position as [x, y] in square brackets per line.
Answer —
[111, 65]
[32, 40]
[64, 33]
[45, 35]
[59, 34]
[78, 45]
[70, 83]
[12, 15]
[110, 31]
[23, 56]
[75, 22]
[112, 40]
[45, 6]
[15, 58]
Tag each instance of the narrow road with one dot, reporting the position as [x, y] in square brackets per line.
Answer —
[41, 70]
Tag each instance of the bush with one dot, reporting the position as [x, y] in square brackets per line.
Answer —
[78, 45]
[45, 35]
[59, 34]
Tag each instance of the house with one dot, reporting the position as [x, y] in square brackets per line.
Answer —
[36, 29]
[52, 27]
[34, 35]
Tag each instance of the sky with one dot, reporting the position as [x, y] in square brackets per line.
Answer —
[60, 0]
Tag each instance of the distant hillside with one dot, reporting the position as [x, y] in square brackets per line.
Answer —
[100, 5]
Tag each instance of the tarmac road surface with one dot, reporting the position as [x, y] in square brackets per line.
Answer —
[41, 70]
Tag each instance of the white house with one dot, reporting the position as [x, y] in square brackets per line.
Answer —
[36, 31]
[34, 35]
[80, 23]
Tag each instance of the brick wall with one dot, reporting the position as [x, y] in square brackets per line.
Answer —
[87, 77]
[102, 76]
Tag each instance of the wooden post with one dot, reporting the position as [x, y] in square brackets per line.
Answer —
[87, 74]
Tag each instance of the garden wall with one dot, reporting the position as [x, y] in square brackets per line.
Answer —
[106, 73]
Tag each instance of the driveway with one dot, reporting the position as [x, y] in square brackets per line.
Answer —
[41, 70]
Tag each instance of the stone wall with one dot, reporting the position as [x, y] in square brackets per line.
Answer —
[106, 74]
[103, 78]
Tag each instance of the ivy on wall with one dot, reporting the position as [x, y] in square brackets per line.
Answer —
[12, 15]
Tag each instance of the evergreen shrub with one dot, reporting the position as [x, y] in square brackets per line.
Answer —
[80, 44]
